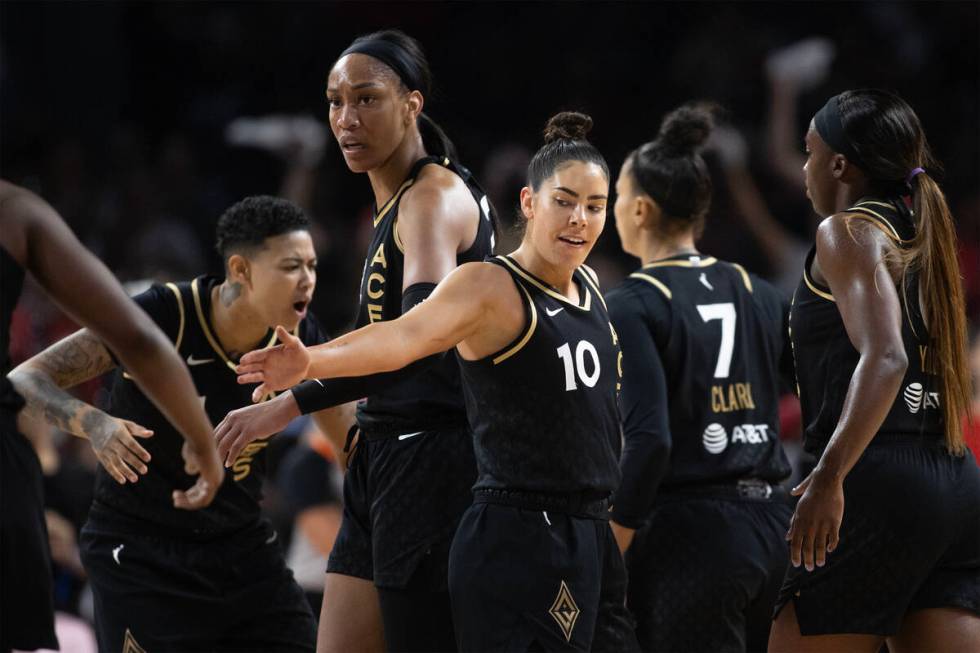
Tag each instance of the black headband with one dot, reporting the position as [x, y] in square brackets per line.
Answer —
[831, 130]
[393, 56]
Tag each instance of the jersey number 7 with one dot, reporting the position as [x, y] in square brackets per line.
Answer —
[726, 313]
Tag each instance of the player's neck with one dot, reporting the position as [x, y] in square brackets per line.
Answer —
[238, 328]
[655, 248]
[559, 278]
[388, 178]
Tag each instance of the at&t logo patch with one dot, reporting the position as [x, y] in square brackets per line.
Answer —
[715, 438]
[917, 399]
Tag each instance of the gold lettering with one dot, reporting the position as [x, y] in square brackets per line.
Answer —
[376, 293]
[737, 396]
[923, 352]
[744, 392]
[374, 312]
[243, 464]
[379, 256]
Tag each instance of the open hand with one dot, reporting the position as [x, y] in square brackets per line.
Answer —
[814, 530]
[275, 368]
[114, 442]
[245, 425]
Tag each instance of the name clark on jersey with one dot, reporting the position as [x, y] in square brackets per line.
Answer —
[736, 396]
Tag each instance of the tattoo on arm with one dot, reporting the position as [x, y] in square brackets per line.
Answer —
[42, 380]
[76, 359]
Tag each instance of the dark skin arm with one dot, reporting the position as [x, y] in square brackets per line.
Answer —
[36, 237]
[849, 255]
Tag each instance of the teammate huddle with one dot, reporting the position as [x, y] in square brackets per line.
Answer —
[492, 490]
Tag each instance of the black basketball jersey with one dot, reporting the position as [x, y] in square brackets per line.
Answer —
[721, 338]
[432, 398]
[11, 282]
[543, 409]
[825, 357]
[183, 312]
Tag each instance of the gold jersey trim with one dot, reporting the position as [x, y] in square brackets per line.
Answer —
[745, 276]
[877, 220]
[702, 263]
[180, 308]
[591, 279]
[527, 335]
[215, 345]
[551, 292]
[656, 283]
[391, 202]
[813, 288]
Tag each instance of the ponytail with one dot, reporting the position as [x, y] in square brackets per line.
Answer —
[434, 138]
[891, 147]
[933, 254]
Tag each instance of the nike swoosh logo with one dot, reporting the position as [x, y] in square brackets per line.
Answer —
[410, 435]
[552, 313]
[115, 553]
[198, 361]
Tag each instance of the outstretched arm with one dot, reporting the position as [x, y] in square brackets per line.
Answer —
[455, 311]
[34, 234]
[848, 255]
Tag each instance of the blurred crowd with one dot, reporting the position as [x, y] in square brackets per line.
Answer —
[141, 124]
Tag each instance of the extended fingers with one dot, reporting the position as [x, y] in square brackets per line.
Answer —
[253, 357]
[244, 378]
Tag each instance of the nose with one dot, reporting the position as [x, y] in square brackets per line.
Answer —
[308, 278]
[578, 215]
[347, 117]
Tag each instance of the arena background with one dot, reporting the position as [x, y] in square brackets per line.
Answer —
[123, 117]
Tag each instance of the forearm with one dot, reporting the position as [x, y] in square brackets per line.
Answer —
[870, 395]
[160, 373]
[375, 348]
[47, 402]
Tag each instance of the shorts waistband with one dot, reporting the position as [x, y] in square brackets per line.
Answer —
[746, 488]
[592, 505]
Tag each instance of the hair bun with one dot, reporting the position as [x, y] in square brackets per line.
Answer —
[567, 125]
[686, 128]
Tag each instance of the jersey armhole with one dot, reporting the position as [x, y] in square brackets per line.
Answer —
[530, 324]
[653, 281]
[180, 311]
[745, 276]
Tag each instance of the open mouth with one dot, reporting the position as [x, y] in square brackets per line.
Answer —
[301, 306]
[571, 240]
[350, 147]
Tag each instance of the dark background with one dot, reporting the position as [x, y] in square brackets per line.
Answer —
[115, 112]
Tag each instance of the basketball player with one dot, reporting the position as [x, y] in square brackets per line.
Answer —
[33, 237]
[702, 343]
[534, 564]
[885, 541]
[409, 481]
[214, 579]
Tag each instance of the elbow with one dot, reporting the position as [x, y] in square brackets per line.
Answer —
[890, 363]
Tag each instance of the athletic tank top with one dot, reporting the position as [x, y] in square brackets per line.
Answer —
[11, 283]
[431, 399]
[825, 358]
[721, 336]
[543, 410]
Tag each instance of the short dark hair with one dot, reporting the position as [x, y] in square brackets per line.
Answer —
[243, 228]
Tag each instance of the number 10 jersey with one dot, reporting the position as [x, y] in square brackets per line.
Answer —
[543, 410]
